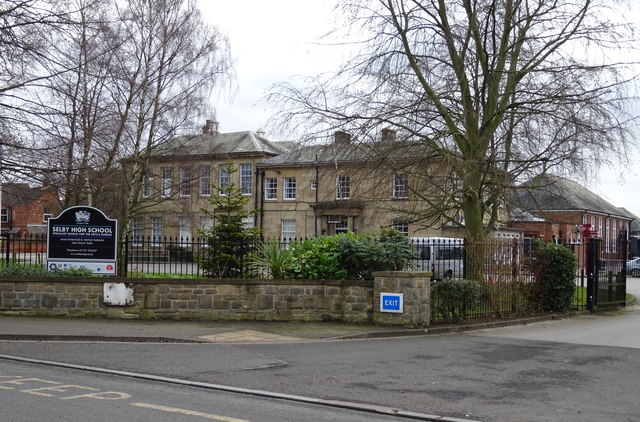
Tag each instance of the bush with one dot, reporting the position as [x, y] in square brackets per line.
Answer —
[351, 256]
[453, 298]
[28, 271]
[273, 260]
[554, 268]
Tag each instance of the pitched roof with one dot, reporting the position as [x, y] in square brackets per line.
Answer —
[553, 193]
[208, 144]
[16, 194]
[319, 154]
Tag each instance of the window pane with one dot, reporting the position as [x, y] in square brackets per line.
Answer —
[137, 230]
[148, 183]
[166, 182]
[225, 179]
[342, 187]
[289, 188]
[400, 182]
[156, 230]
[185, 181]
[288, 229]
[270, 188]
[246, 175]
[205, 181]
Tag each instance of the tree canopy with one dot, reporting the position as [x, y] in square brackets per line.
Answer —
[493, 91]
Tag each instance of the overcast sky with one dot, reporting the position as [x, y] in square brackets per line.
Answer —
[271, 41]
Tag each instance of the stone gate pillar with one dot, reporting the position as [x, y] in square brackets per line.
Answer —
[415, 290]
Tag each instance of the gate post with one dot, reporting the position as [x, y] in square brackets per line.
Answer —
[593, 255]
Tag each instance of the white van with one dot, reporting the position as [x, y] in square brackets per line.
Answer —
[443, 256]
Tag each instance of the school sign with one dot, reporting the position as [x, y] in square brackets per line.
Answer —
[82, 237]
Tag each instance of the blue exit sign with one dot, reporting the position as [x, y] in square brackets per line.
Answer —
[391, 302]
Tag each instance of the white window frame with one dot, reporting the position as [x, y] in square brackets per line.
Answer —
[343, 187]
[147, 188]
[167, 176]
[401, 226]
[185, 181]
[224, 179]
[400, 186]
[288, 229]
[204, 180]
[156, 230]
[137, 231]
[289, 188]
[270, 188]
[246, 178]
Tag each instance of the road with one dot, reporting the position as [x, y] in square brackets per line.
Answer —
[35, 393]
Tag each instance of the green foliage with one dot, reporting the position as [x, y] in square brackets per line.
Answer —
[40, 271]
[350, 256]
[229, 242]
[317, 259]
[360, 255]
[453, 298]
[554, 268]
[277, 262]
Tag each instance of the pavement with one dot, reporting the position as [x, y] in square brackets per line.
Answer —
[170, 331]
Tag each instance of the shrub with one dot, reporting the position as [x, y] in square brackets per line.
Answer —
[273, 260]
[29, 271]
[453, 298]
[554, 268]
[317, 259]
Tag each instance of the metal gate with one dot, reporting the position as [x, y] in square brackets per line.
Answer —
[606, 275]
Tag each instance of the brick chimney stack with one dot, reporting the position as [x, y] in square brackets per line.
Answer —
[211, 128]
[341, 138]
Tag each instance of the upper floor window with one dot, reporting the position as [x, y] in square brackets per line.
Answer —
[166, 182]
[270, 188]
[400, 186]
[289, 188]
[148, 183]
[185, 181]
[314, 184]
[246, 177]
[224, 179]
[4, 215]
[342, 187]
[205, 180]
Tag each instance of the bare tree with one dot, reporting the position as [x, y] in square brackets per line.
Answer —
[483, 94]
[128, 76]
[168, 62]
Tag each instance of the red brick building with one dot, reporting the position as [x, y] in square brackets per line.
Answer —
[561, 210]
[25, 209]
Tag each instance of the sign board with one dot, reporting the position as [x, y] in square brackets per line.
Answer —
[392, 302]
[82, 237]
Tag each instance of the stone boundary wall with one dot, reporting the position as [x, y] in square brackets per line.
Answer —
[349, 301]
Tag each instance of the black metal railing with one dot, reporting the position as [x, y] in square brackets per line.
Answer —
[506, 273]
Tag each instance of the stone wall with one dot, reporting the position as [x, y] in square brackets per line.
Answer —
[207, 299]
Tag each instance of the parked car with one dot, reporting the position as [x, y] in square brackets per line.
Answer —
[443, 256]
[633, 267]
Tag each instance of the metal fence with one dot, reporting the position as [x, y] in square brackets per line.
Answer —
[506, 276]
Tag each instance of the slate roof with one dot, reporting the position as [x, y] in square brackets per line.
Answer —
[17, 194]
[208, 144]
[553, 193]
[322, 154]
